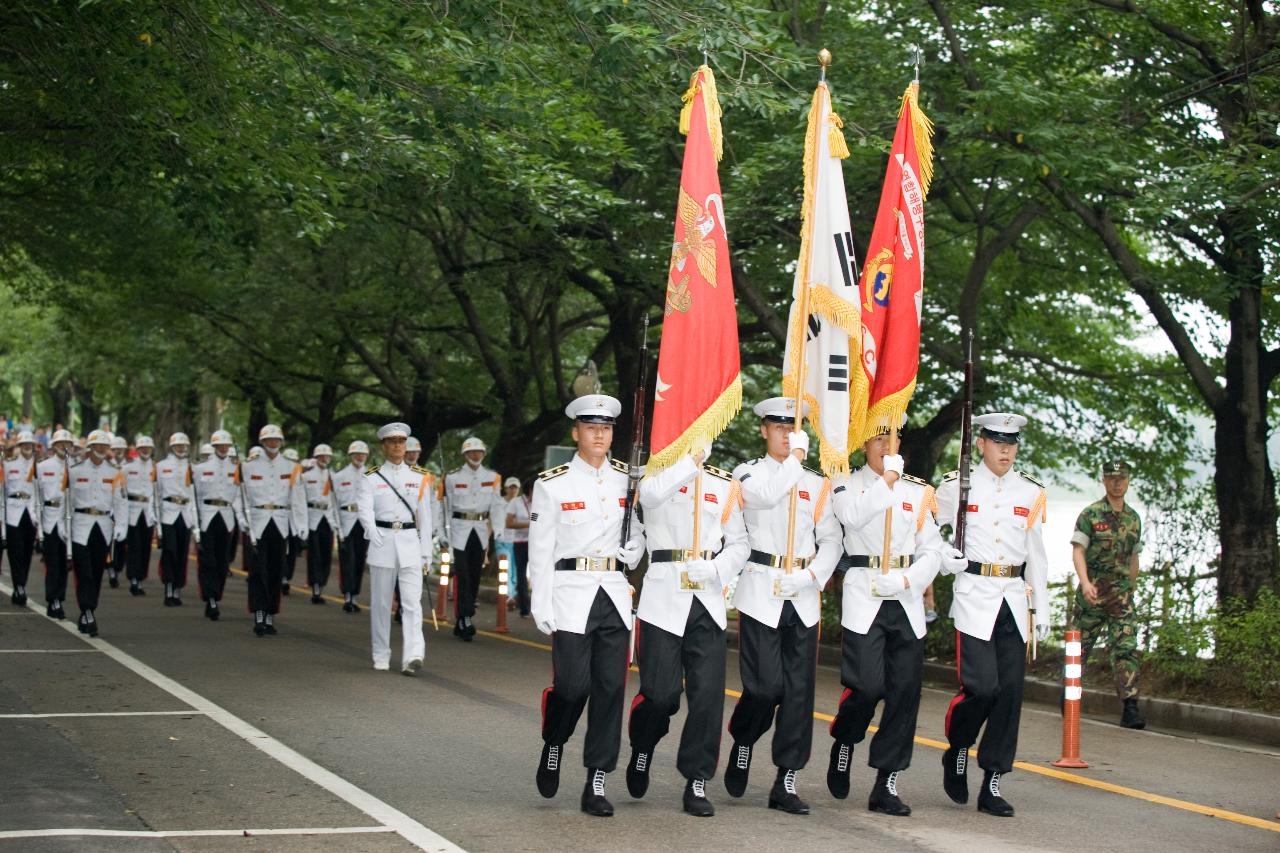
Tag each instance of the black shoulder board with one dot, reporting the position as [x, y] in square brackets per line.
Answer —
[372, 470]
[1024, 475]
[951, 475]
[915, 480]
[619, 465]
[719, 473]
[419, 469]
[551, 473]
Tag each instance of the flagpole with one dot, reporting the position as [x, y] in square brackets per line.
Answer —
[697, 514]
[888, 513]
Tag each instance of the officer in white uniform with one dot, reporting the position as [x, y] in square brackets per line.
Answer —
[20, 514]
[883, 620]
[682, 619]
[582, 599]
[176, 504]
[1001, 586]
[275, 511]
[119, 560]
[395, 516]
[779, 612]
[354, 542]
[217, 491]
[98, 511]
[322, 520]
[52, 474]
[139, 488]
[471, 492]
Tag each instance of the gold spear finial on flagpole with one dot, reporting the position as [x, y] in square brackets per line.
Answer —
[824, 59]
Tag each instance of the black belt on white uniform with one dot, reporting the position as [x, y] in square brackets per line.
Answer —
[140, 499]
[174, 499]
[680, 556]
[996, 570]
[587, 564]
[397, 525]
[773, 561]
[215, 502]
[19, 496]
[350, 507]
[865, 561]
[318, 504]
[470, 516]
[270, 506]
[84, 510]
[57, 502]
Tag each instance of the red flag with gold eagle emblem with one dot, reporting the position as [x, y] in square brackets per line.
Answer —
[892, 294]
[699, 384]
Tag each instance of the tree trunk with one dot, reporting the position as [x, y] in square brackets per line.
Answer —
[1246, 497]
[257, 418]
[60, 405]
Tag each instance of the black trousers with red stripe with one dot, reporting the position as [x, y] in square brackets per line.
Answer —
[591, 665]
[89, 561]
[20, 543]
[56, 566]
[175, 542]
[213, 558]
[664, 657]
[319, 553]
[778, 668]
[137, 550]
[991, 676]
[886, 663]
[351, 559]
[467, 564]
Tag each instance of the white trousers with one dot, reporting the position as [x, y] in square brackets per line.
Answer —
[382, 580]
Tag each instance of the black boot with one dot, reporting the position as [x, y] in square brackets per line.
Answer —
[989, 799]
[593, 799]
[114, 580]
[92, 627]
[83, 624]
[1131, 719]
[695, 799]
[549, 770]
[838, 769]
[735, 775]
[20, 598]
[260, 624]
[954, 779]
[638, 773]
[884, 796]
[284, 588]
[783, 794]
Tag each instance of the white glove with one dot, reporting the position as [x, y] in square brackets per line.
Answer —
[798, 441]
[796, 582]
[954, 562]
[545, 622]
[426, 569]
[701, 571]
[630, 553]
[1042, 631]
[890, 584]
[893, 463]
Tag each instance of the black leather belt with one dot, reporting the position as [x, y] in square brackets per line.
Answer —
[470, 516]
[866, 561]
[173, 499]
[215, 502]
[270, 506]
[773, 561]
[350, 507]
[140, 499]
[318, 505]
[587, 564]
[397, 525]
[84, 510]
[996, 570]
[53, 503]
[679, 556]
[19, 496]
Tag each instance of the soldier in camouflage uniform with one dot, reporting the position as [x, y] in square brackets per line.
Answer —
[1106, 542]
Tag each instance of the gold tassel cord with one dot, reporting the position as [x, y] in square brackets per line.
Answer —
[704, 429]
[835, 137]
[710, 108]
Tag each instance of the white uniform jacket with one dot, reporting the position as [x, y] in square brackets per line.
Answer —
[19, 493]
[577, 512]
[766, 494]
[346, 497]
[471, 493]
[318, 485]
[217, 491]
[667, 498]
[269, 488]
[860, 501]
[384, 492]
[1006, 526]
[96, 494]
[52, 473]
[173, 490]
[139, 490]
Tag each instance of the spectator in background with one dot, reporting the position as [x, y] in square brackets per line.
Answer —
[516, 532]
[42, 438]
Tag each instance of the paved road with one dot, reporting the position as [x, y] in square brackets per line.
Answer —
[171, 729]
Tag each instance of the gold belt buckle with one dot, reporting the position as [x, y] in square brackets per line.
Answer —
[996, 570]
[594, 564]
[397, 525]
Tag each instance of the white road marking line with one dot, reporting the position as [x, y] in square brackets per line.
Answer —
[188, 833]
[188, 713]
[16, 613]
[49, 651]
[387, 815]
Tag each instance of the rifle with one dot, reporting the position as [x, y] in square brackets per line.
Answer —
[966, 446]
[244, 502]
[444, 499]
[66, 503]
[635, 470]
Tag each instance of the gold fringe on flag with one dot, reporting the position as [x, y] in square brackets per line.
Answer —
[922, 131]
[835, 137]
[710, 107]
[702, 431]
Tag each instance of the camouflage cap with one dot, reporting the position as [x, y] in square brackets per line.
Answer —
[1116, 467]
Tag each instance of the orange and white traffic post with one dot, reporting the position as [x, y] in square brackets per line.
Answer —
[446, 567]
[504, 575]
[1073, 693]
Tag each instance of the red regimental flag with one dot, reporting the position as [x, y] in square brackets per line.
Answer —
[699, 386]
[893, 276]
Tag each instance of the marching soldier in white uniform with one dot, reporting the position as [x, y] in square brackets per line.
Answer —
[581, 597]
[471, 492]
[139, 489]
[273, 511]
[396, 519]
[682, 620]
[322, 520]
[883, 624]
[119, 559]
[20, 514]
[52, 475]
[176, 509]
[353, 545]
[217, 492]
[1000, 597]
[779, 612]
[98, 512]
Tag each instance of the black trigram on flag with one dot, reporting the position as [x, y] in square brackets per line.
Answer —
[848, 262]
[838, 373]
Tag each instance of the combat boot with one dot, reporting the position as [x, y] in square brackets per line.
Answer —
[989, 799]
[735, 775]
[594, 802]
[838, 769]
[549, 770]
[954, 779]
[638, 773]
[783, 796]
[1130, 718]
[695, 799]
[884, 796]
